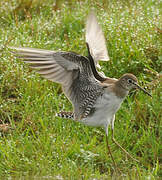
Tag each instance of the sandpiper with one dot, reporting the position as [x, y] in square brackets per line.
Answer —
[95, 98]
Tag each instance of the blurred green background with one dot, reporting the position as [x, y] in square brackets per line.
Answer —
[35, 144]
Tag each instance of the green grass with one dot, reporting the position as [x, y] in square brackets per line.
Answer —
[38, 145]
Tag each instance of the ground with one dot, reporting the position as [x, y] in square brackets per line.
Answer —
[36, 144]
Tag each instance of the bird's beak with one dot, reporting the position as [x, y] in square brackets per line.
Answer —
[139, 87]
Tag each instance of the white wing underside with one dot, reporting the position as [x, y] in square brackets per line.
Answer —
[96, 40]
[49, 64]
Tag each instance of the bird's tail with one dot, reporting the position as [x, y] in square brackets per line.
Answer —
[66, 115]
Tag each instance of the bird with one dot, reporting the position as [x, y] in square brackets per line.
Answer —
[95, 97]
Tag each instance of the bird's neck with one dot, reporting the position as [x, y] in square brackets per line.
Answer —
[116, 87]
[119, 90]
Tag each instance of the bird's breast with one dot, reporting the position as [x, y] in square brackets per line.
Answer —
[104, 109]
[109, 103]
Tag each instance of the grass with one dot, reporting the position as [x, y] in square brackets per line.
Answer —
[35, 144]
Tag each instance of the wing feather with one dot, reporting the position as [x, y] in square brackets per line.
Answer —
[38, 66]
[95, 39]
[47, 64]
[46, 71]
[35, 61]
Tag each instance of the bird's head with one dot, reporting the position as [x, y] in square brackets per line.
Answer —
[129, 81]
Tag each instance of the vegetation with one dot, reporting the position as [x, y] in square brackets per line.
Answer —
[36, 144]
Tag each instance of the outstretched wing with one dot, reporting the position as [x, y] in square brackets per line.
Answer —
[47, 63]
[95, 39]
[69, 69]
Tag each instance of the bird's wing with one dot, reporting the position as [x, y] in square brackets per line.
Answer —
[69, 69]
[95, 39]
[47, 63]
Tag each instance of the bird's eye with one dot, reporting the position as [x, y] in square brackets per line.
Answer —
[130, 81]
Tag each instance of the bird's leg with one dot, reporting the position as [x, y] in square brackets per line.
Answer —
[113, 139]
[109, 151]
